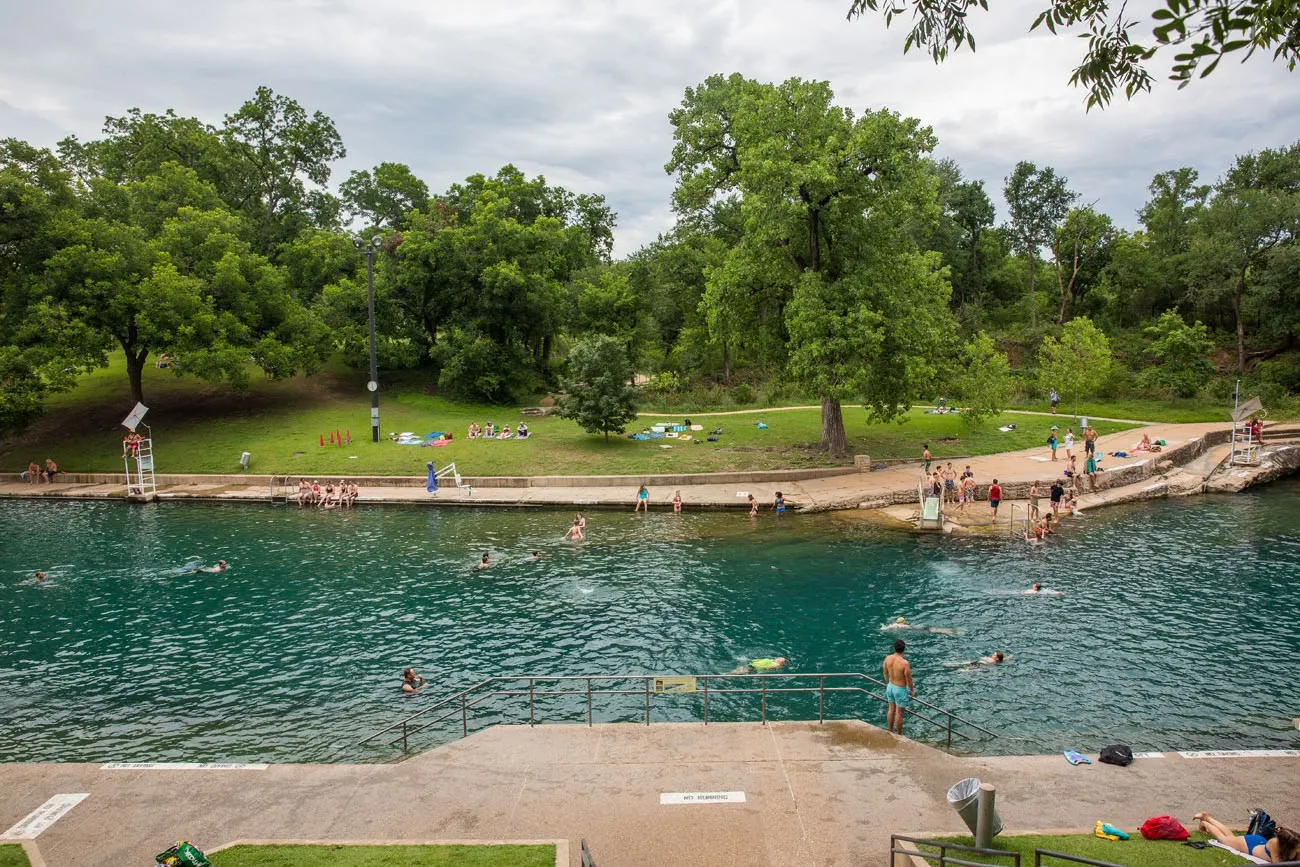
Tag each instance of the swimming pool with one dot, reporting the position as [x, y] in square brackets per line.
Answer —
[1176, 629]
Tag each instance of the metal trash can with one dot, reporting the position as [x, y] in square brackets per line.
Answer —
[964, 797]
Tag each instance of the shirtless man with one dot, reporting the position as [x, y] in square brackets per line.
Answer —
[900, 690]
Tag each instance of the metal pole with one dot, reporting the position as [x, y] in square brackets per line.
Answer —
[984, 816]
[588, 702]
[647, 701]
[530, 701]
[764, 701]
[374, 361]
[821, 700]
[706, 704]
[464, 717]
[405, 747]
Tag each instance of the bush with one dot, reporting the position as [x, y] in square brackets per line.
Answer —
[742, 395]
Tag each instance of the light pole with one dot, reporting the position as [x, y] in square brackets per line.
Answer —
[373, 385]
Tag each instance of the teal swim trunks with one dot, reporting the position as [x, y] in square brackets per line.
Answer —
[897, 695]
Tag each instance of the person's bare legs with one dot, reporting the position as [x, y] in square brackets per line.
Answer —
[889, 716]
[1221, 832]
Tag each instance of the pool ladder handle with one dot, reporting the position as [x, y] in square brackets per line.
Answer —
[467, 698]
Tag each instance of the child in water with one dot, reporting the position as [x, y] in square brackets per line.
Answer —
[779, 505]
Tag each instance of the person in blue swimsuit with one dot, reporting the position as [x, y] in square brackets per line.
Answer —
[1282, 848]
[779, 505]
[642, 500]
[899, 689]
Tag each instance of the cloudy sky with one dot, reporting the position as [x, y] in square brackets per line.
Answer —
[580, 90]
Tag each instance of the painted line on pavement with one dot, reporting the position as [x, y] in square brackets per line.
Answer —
[1148, 755]
[1240, 754]
[701, 798]
[183, 766]
[31, 825]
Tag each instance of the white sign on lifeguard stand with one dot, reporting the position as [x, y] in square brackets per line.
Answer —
[137, 455]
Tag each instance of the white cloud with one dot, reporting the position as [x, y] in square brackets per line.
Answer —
[580, 90]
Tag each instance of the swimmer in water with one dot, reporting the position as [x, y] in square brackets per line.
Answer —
[1037, 590]
[221, 566]
[997, 657]
[901, 623]
[39, 578]
[485, 562]
[575, 531]
[760, 665]
[411, 682]
[533, 557]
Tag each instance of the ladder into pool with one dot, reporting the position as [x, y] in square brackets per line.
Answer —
[930, 518]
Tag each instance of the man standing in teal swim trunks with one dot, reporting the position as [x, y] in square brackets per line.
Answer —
[900, 690]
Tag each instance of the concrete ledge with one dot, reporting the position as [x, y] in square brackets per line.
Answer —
[561, 846]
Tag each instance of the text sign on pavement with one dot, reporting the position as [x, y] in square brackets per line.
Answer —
[182, 766]
[701, 798]
[674, 684]
[43, 817]
[1239, 754]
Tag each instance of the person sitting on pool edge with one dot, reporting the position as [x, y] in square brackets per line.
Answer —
[1284, 847]
[411, 682]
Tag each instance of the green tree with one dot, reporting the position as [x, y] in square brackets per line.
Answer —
[383, 196]
[1205, 30]
[822, 194]
[1255, 211]
[1037, 201]
[1077, 363]
[1182, 353]
[984, 384]
[1080, 249]
[280, 163]
[600, 396]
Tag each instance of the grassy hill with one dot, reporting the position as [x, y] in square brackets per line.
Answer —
[203, 428]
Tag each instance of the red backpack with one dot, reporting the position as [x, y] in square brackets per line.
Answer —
[1163, 828]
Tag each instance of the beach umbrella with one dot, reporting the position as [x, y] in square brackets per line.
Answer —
[432, 485]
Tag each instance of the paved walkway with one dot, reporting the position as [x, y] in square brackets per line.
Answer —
[814, 795]
[882, 487]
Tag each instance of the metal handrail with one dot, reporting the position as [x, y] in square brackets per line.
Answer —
[941, 858]
[460, 703]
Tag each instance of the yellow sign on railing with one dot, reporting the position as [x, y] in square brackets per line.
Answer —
[674, 684]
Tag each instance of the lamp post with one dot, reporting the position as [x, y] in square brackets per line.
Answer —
[373, 385]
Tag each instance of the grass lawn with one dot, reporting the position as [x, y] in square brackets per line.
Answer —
[1136, 852]
[203, 428]
[1177, 411]
[384, 856]
[12, 855]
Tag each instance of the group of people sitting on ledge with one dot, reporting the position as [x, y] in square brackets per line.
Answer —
[327, 497]
[491, 432]
[37, 476]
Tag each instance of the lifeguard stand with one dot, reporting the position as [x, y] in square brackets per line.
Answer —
[138, 459]
[1245, 448]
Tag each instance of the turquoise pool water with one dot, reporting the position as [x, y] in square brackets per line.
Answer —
[1176, 630]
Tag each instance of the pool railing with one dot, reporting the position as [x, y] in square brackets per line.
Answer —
[460, 704]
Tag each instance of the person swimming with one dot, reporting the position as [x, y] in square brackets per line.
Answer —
[533, 557]
[762, 665]
[1037, 590]
[40, 579]
[901, 624]
[221, 566]
[486, 561]
[997, 657]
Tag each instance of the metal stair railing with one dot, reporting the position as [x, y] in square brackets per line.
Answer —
[460, 703]
[943, 858]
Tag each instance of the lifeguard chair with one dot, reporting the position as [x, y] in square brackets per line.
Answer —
[1245, 446]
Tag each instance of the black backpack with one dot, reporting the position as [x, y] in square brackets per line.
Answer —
[1262, 823]
[1117, 754]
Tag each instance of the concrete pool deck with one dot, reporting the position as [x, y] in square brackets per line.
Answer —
[820, 490]
[813, 794]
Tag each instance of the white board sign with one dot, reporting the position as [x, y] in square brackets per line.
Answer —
[701, 798]
[136, 416]
[31, 825]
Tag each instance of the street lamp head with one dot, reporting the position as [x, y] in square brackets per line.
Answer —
[377, 242]
[358, 243]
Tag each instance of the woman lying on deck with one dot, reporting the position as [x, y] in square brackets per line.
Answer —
[1284, 847]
